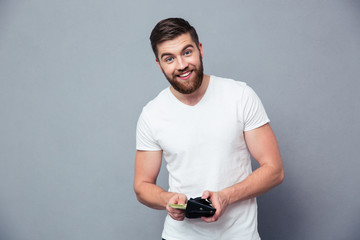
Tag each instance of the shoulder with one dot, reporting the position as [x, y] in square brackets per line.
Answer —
[228, 82]
[158, 102]
[230, 85]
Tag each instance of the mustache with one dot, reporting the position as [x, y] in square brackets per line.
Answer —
[186, 69]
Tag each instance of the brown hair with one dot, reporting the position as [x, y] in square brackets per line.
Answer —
[170, 28]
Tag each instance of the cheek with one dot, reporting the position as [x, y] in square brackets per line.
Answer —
[168, 70]
[195, 61]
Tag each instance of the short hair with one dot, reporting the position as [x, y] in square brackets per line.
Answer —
[169, 29]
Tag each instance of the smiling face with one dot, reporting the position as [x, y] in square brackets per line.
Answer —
[181, 62]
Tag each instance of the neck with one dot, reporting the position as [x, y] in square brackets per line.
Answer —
[193, 98]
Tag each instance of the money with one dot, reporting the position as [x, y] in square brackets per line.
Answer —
[178, 206]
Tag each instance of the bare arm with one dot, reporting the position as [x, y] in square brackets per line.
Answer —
[263, 147]
[147, 167]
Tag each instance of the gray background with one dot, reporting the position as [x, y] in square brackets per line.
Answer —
[76, 74]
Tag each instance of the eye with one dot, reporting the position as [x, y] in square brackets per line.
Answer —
[187, 52]
[169, 59]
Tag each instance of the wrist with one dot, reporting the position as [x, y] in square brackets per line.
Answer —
[165, 197]
[227, 195]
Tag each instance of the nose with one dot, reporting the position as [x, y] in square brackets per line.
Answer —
[182, 63]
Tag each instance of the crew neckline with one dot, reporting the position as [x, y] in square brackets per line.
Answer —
[202, 100]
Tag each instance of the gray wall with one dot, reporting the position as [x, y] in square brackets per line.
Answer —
[74, 76]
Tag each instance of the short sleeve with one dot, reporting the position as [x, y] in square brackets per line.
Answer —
[254, 114]
[144, 135]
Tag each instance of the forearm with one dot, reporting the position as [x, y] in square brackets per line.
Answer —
[152, 195]
[263, 146]
[260, 181]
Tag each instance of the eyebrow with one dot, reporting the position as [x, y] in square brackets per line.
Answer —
[167, 54]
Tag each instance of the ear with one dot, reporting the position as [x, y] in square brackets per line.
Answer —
[201, 50]
[158, 63]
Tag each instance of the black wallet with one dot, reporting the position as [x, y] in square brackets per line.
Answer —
[197, 207]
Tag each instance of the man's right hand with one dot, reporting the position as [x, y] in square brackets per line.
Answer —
[177, 214]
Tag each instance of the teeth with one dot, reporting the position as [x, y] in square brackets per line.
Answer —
[185, 74]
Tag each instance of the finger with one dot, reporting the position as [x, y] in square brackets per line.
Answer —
[177, 215]
[209, 219]
[205, 195]
[177, 218]
[174, 210]
[168, 208]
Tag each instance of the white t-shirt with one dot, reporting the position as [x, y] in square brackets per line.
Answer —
[204, 148]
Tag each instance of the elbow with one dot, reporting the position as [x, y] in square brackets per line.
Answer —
[278, 175]
[140, 198]
[279, 172]
[137, 192]
[140, 194]
[281, 176]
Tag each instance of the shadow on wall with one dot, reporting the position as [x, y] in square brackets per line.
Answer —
[280, 212]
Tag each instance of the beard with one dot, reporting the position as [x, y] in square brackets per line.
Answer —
[187, 86]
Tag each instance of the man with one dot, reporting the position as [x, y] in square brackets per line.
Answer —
[205, 127]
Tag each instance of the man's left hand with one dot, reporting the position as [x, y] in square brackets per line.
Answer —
[219, 202]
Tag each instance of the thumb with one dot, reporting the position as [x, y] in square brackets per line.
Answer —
[205, 195]
[182, 199]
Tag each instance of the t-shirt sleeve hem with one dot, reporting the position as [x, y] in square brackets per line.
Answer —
[257, 125]
[148, 149]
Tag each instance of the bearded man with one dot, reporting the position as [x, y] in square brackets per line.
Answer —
[205, 127]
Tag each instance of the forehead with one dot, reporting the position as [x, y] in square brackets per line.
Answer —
[175, 45]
